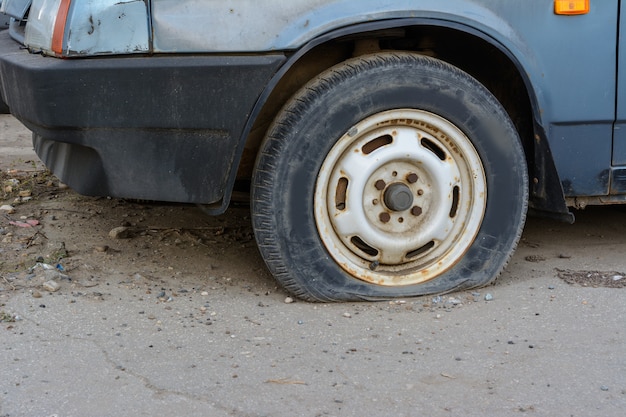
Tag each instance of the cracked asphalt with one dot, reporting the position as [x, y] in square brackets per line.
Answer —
[183, 319]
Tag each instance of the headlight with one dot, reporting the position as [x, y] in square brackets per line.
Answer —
[67, 28]
[46, 25]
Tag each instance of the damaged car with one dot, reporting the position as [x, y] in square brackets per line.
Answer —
[390, 149]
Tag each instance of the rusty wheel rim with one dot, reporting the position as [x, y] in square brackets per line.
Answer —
[400, 198]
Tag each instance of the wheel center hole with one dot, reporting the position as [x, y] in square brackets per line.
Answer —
[398, 197]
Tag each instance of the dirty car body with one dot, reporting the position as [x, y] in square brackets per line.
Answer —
[4, 24]
[179, 100]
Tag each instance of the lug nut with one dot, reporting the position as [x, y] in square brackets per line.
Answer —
[416, 210]
[384, 217]
[412, 178]
[380, 185]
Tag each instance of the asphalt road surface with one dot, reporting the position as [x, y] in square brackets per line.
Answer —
[179, 317]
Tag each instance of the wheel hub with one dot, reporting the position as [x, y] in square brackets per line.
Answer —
[398, 197]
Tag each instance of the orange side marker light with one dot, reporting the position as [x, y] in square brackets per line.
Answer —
[571, 7]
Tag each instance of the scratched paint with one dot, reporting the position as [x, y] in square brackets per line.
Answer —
[266, 25]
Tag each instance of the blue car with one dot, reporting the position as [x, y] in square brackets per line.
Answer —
[391, 149]
[4, 24]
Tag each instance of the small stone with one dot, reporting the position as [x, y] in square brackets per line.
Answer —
[101, 248]
[51, 286]
[121, 232]
[288, 300]
[535, 258]
[488, 297]
[604, 388]
[203, 309]
[204, 293]
[36, 294]
[25, 193]
[347, 315]
[550, 287]
[53, 274]
[7, 209]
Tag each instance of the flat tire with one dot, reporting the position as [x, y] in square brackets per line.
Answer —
[389, 175]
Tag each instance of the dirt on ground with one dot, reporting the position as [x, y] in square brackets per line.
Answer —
[122, 307]
[52, 233]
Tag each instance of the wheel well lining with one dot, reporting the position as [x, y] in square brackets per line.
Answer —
[464, 47]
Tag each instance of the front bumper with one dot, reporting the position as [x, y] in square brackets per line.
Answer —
[163, 128]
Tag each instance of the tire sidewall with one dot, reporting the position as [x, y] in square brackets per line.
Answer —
[327, 108]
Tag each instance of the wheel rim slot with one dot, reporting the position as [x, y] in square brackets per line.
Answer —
[364, 247]
[421, 250]
[434, 148]
[340, 193]
[377, 143]
[455, 202]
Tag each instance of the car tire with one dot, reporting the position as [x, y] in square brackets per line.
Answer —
[389, 175]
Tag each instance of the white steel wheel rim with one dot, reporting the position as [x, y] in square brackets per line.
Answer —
[400, 197]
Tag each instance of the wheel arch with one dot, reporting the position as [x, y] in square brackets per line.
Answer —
[470, 49]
